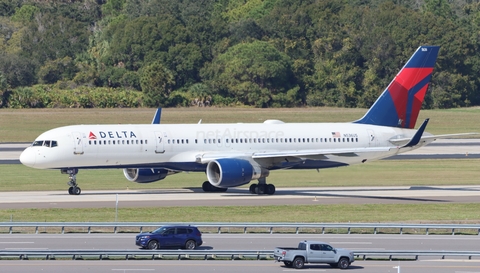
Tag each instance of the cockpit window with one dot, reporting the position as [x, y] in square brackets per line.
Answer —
[37, 143]
[45, 143]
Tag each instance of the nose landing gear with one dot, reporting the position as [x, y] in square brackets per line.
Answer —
[72, 176]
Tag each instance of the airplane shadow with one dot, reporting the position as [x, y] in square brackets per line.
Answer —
[312, 193]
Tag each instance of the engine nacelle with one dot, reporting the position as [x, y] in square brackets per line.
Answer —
[145, 175]
[231, 172]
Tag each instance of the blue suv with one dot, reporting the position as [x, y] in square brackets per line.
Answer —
[188, 237]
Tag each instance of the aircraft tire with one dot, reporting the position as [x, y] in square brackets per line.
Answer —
[261, 189]
[70, 190]
[270, 189]
[253, 188]
[206, 186]
[76, 190]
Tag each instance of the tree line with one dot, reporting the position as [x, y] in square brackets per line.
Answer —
[260, 53]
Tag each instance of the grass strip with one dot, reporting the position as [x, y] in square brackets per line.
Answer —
[341, 213]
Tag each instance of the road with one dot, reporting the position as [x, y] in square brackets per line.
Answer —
[243, 242]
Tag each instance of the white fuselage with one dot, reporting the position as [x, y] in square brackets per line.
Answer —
[188, 147]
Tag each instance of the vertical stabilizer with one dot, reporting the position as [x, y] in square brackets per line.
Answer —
[158, 115]
[400, 103]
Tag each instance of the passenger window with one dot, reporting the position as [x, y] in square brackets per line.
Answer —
[181, 231]
[327, 248]
[169, 231]
[315, 247]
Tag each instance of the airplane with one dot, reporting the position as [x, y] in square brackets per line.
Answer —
[234, 154]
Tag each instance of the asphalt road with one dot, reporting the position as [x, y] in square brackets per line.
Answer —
[243, 242]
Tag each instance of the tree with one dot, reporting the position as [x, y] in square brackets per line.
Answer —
[254, 73]
[156, 82]
[59, 69]
[3, 89]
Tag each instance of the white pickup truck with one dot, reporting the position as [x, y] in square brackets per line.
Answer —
[314, 252]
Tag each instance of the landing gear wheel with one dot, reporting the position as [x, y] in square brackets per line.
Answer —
[253, 188]
[270, 189]
[206, 186]
[261, 189]
[76, 191]
[72, 176]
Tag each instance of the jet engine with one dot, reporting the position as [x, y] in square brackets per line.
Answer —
[145, 175]
[231, 172]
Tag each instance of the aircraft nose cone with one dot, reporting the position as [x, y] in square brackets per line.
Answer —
[27, 157]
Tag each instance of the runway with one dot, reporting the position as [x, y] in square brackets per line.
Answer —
[240, 197]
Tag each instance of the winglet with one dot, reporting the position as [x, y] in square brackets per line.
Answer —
[158, 115]
[418, 135]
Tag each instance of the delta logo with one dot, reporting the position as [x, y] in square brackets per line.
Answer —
[112, 134]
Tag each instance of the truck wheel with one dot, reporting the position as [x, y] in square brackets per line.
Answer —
[288, 264]
[298, 263]
[343, 263]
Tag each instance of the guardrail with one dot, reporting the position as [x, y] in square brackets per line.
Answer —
[269, 227]
[132, 254]
[210, 254]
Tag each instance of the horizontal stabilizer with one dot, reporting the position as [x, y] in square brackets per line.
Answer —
[418, 135]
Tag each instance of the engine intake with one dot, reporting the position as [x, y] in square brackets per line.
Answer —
[229, 172]
[145, 175]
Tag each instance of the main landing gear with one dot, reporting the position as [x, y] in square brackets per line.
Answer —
[72, 176]
[207, 187]
[262, 187]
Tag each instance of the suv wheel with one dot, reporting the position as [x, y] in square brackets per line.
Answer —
[190, 244]
[153, 245]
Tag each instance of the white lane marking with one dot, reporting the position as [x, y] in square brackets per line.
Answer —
[16, 242]
[133, 269]
[352, 243]
[28, 248]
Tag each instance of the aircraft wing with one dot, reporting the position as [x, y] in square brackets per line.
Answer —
[316, 154]
[429, 138]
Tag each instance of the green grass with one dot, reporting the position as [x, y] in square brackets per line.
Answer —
[24, 125]
[418, 213]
